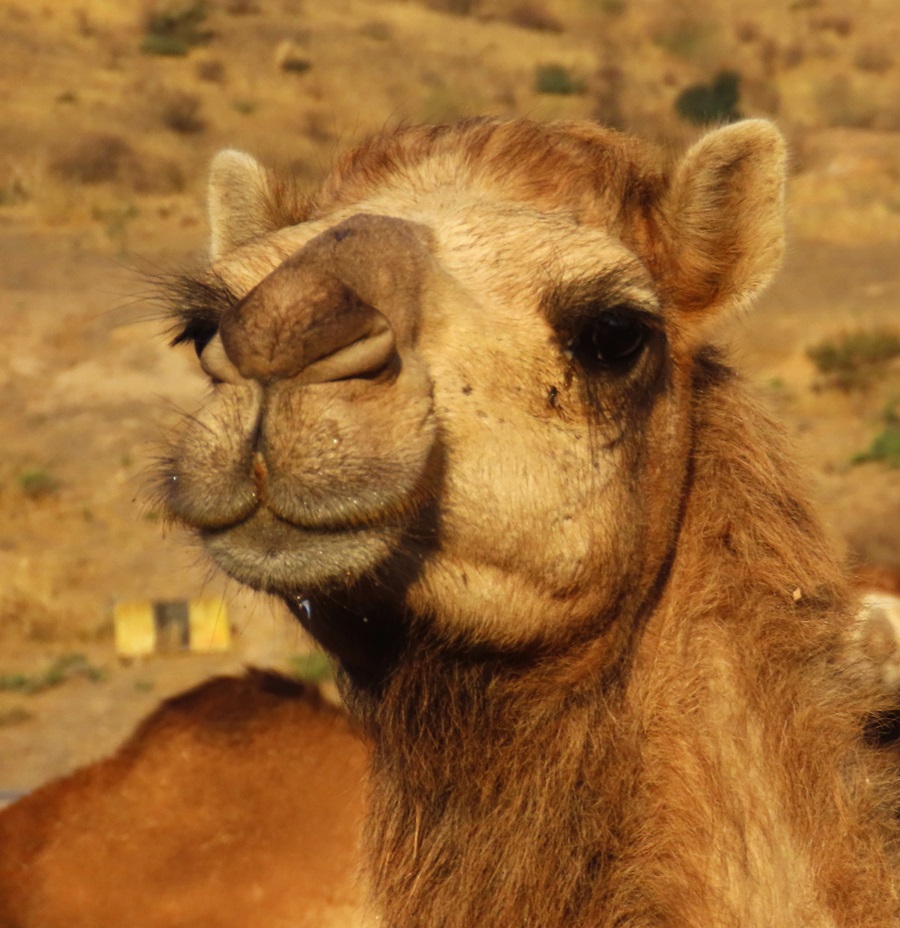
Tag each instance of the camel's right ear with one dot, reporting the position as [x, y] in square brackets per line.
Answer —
[238, 201]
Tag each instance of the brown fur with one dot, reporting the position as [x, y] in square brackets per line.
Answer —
[583, 606]
[606, 800]
[236, 803]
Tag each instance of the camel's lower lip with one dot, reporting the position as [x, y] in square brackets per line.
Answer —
[276, 556]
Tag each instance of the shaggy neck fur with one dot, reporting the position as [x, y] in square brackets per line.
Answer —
[695, 788]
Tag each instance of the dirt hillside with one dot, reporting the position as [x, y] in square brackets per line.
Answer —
[110, 114]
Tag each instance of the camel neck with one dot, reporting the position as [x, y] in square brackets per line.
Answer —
[516, 792]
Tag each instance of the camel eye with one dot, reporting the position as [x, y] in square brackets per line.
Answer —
[613, 341]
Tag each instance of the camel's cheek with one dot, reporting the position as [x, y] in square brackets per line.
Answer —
[548, 522]
[207, 477]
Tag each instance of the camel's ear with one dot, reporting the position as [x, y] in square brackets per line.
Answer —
[238, 201]
[724, 211]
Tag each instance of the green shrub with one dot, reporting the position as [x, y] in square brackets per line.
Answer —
[555, 79]
[685, 37]
[885, 445]
[310, 668]
[175, 29]
[714, 102]
[60, 671]
[37, 482]
[296, 65]
[851, 360]
[165, 45]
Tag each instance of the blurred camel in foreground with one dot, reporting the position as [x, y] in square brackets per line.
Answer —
[240, 797]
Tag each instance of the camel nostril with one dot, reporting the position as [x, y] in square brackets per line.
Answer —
[364, 356]
[216, 364]
[306, 324]
[260, 476]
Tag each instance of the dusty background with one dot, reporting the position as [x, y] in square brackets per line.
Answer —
[102, 161]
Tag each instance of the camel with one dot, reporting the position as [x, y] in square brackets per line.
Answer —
[243, 795]
[470, 419]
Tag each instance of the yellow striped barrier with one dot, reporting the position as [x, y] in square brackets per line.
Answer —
[144, 627]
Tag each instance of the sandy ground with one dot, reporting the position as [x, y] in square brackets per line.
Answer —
[85, 394]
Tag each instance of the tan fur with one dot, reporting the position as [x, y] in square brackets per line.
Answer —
[237, 803]
[583, 607]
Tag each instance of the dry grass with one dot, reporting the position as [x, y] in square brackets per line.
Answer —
[610, 7]
[841, 26]
[377, 30]
[211, 70]
[456, 7]
[748, 31]
[845, 102]
[685, 37]
[92, 159]
[180, 112]
[242, 7]
[99, 158]
[608, 87]
[852, 360]
[16, 185]
[533, 16]
[875, 57]
[14, 716]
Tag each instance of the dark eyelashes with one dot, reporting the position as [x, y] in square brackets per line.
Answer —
[195, 307]
[198, 330]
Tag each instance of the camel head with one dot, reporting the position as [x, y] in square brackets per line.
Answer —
[454, 388]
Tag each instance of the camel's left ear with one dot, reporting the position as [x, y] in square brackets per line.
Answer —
[238, 201]
[724, 215]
